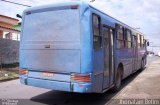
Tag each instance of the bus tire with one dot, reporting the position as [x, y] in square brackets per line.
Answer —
[118, 80]
[142, 65]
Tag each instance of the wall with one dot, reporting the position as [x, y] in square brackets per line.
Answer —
[1, 34]
[9, 51]
[7, 25]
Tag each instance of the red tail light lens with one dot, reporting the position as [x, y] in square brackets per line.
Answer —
[23, 71]
[81, 77]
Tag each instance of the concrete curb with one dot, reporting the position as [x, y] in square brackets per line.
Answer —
[9, 79]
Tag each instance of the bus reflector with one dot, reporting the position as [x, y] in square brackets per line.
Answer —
[23, 71]
[81, 77]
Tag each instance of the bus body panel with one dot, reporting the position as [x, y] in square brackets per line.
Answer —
[126, 60]
[51, 60]
[86, 42]
[63, 77]
[51, 50]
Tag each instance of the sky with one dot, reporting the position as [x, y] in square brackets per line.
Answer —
[143, 14]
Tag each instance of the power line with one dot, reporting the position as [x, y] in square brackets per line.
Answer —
[15, 3]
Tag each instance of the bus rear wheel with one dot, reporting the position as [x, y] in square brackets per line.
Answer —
[142, 65]
[118, 80]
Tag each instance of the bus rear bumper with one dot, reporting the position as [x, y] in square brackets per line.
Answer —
[57, 85]
[81, 87]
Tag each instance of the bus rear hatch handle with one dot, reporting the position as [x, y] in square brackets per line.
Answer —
[47, 46]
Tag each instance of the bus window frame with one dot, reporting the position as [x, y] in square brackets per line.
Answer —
[142, 41]
[127, 40]
[139, 40]
[118, 26]
[98, 46]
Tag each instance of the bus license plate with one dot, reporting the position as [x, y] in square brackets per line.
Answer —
[48, 74]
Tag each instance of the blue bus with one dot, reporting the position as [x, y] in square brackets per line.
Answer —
[75, 47]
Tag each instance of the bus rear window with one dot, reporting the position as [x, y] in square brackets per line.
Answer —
[55, 25]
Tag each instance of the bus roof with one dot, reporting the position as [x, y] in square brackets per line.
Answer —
[59, 4]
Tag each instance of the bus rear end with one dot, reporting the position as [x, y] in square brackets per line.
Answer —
[50, 49]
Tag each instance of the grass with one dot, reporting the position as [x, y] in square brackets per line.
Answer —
[9, 73]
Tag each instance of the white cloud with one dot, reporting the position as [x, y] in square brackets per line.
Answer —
[142, 13]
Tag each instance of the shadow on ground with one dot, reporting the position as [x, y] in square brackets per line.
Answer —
[65, 98]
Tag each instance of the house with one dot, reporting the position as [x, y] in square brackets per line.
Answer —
[7, 30]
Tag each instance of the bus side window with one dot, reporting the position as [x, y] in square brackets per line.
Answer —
[97, 37]
[139, 40]
[120, 37]
[145, 43]
[128, 38]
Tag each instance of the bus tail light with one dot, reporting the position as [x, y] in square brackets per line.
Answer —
[81, 77]
[23, 71]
